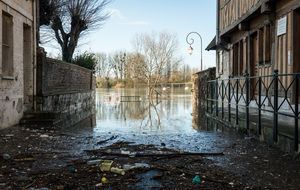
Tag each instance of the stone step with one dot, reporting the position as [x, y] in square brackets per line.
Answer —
[40, 119]
[42, 115]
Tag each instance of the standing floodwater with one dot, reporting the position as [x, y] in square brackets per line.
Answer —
[168, 121]
[130, 111]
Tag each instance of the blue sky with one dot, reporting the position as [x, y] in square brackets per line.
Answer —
[179, 17]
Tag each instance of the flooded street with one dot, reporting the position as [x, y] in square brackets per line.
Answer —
[171, 114]
[167, 122]
[153, 143]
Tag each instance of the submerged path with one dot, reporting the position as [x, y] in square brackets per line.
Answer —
[58, 159]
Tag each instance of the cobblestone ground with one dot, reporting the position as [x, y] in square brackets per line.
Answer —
[61, 159]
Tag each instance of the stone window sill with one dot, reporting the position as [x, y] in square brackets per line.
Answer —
[7, 78]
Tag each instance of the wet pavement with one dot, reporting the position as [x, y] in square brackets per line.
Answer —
[175, 153]
[57, 159]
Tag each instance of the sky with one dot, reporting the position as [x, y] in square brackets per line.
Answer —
[179, 17]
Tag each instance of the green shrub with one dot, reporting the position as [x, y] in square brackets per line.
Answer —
[86, 60]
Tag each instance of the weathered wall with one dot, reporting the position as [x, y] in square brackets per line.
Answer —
[233, 10]
[72, 108]
[13, 98]
[65, 89]
[274, 47]
[200, 91]
[58, 77]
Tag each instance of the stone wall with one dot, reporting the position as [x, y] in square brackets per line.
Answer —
[58, 77]
[65, 89]
[199, 96]
[17, 89]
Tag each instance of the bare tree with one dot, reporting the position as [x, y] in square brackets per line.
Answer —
[158, 51]
[69, 20]
[118, 64]
[103, 67]
[135, 65]
[47, 10]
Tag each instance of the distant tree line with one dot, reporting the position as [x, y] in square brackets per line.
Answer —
[154, 58]
[153, 61]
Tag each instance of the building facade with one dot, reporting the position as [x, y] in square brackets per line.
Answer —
[256, 37]
[258, 69]
[17, 59]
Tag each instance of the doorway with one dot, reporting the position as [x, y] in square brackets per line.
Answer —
[296, 40]
[296, 44]
[27, 67]
[253, 64]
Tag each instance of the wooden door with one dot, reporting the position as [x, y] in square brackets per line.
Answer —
[296, 44]
[254, 60]
[296, 26]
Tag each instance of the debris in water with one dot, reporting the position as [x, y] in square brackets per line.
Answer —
[94, 162]
[110, 139]
[44, 136]
[6, 156]
[105, 165]
[117, 171]
[104, 180]
[127, 167]
[196, 180]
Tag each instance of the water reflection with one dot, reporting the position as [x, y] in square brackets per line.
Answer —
[139, 115]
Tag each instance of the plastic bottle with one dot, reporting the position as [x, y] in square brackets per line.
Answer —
[117, 171]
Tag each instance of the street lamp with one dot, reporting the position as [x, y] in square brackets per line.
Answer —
[190, 41]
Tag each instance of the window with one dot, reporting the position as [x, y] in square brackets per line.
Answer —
[241, 56]
[7, 45]
[238, 58]
[220, 65]
[235, 67]
[265, 45]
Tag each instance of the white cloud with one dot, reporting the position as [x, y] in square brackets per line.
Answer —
[116, 13]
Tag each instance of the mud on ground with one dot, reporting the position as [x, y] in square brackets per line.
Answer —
[60, 159]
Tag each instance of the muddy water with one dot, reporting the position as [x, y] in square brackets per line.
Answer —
[166, 122]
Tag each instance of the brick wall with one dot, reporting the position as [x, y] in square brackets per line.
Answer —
[199, 96]
[58, 77]
[65, 89]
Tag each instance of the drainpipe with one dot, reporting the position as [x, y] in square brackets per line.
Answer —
[35, 13]
[218, 22]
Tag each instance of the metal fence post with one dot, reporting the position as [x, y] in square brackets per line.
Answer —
[259, 105]
[237, 103]
[211, 88]
[222, 93]
[275, 116]
[296, 140]
[207, 102]
[217, 98]
[229, 99]
[247, 102]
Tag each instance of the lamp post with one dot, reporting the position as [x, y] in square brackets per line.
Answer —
[190, 41]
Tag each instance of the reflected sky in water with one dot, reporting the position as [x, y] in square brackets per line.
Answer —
[170, 115]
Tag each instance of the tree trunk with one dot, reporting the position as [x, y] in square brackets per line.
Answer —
[67, 54]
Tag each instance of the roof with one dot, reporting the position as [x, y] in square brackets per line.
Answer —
[212, 45]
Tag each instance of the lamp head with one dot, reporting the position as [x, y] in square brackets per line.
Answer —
[190, 50]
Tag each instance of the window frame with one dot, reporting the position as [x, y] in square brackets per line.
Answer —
[7, 46]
